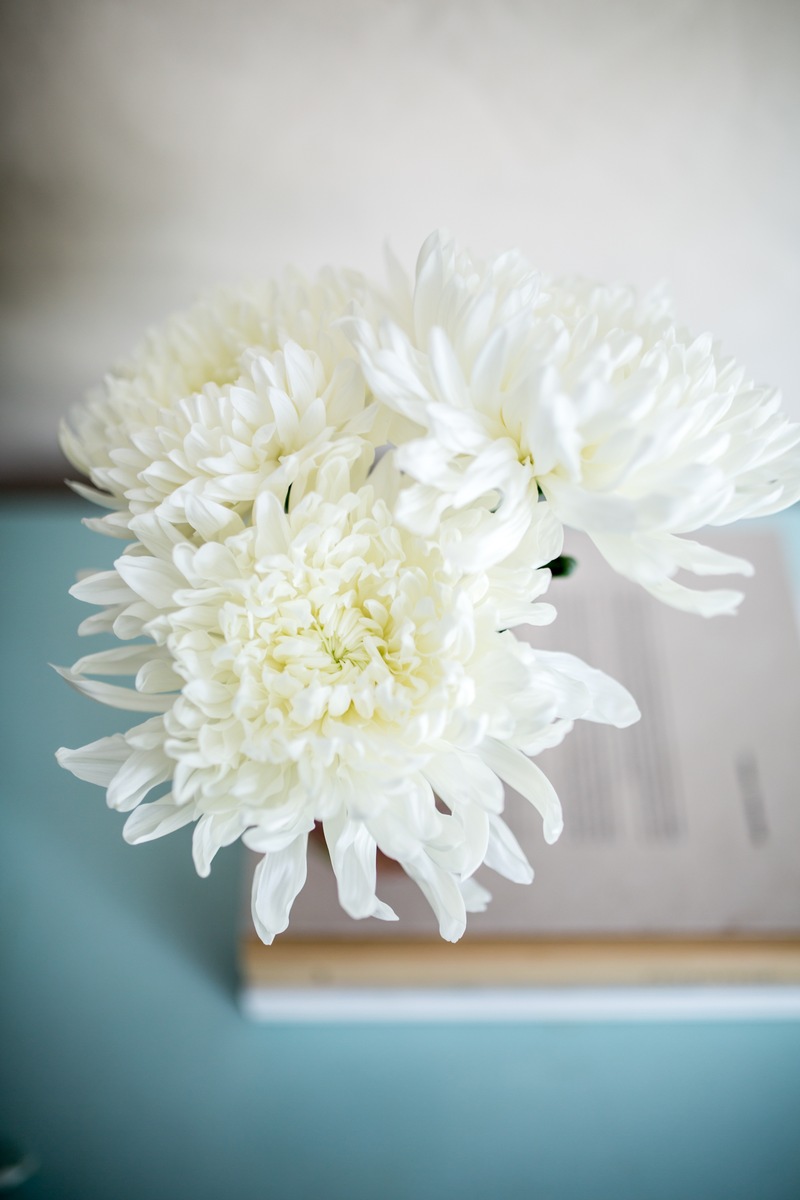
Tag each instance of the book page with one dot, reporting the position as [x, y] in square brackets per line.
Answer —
[688, 823]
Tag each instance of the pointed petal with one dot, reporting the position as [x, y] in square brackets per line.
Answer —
[139, 774]
[505, 855]
[102, 587]
[277, 880]
[122, 660]
[527, 779]
[98, 762]
[150, 821]
[461, 777]
[353, 854]
[442, 893]
[151, 578]
[602, 698]
[116, 697]
[211, 832]
[102, 499]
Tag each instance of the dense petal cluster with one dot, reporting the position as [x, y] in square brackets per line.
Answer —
[247, 384]
[634, 431]
[337, 509]
[326, 665]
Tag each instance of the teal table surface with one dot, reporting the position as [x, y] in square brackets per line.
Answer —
[129, 1071]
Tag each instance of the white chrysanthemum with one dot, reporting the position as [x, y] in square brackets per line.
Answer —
[242, 391]
[633, 431]
[326, 665]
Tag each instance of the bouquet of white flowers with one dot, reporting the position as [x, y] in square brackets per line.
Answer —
[338, 505]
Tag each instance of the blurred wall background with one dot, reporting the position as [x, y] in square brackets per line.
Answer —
[155, 146]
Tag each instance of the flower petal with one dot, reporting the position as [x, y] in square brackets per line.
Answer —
[527, 779]
[442, 893]
[98, 762]
[353, 857]
[277, 880]
[116, 697]
[138, 775]
[213, 831]
[155, 820]
[505, 855]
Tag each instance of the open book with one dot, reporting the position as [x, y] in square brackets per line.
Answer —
[679, 859]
